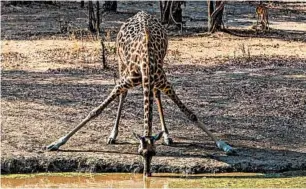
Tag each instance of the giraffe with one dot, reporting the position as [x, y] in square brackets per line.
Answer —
[263, 16]
[141, 47]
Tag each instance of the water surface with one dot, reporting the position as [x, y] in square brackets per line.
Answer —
[165, 180]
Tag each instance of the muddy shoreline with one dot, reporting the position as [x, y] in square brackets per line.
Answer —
[66, 161]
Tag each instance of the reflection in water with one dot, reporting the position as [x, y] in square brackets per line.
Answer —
[146, 182]
[157, 182]
[163, 180]
[85, 181]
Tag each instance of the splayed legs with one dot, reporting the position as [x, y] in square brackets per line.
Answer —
[120, 88]
[167, 139]
[166, 88]
[114, 132]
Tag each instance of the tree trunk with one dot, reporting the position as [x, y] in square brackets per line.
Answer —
[161, 8]
[177, 11]
[215, 17]
[171, 12]
[82, 4]
[91, 18]
[165, 11]
[210, 7]
[94, 17]
[110, 6]
[98, 17]
[219, 15]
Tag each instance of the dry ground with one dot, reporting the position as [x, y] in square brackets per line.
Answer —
[248, 88]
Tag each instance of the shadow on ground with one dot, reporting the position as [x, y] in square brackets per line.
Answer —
[256, 104]
[286, 35]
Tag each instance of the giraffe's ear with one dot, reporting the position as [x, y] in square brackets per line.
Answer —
[137, 136]
[158, 136]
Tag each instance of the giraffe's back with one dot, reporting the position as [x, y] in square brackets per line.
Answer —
[131, 43]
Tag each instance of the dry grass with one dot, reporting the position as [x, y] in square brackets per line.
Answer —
[41, 55]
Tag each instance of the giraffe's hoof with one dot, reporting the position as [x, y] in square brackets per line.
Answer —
[232, 152]
[226, 148]
[111, 141]
[52, 147]
[168, 141]
[55, 145]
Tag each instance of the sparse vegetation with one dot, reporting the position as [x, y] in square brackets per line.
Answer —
[248, 87]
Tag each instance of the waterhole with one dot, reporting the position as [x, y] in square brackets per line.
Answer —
[162, 180]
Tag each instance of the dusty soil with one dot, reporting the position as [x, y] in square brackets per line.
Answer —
[248, 87]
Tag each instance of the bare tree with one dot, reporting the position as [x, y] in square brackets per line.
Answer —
[82, 4]
[94, 26]
[171, 12]
[215, 15]
[104, 65]
[210, 10]
[91, 17]
[94, 17]
[98, 17]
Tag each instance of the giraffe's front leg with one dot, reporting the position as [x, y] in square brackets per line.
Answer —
[169, 91]
[114, 132]
[122, 87]
[168, 141]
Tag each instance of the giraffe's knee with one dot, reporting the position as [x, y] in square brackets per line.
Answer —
[193, 117]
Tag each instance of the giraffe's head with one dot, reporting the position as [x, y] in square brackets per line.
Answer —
[147, 150]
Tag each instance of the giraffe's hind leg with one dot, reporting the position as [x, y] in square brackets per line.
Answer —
[114, 132]
[166, 88]
[168, 141]
[120, 88]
